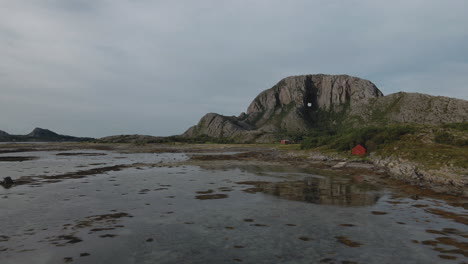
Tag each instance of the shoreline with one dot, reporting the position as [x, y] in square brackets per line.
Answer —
[367, 170]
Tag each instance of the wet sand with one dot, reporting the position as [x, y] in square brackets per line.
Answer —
[110, 206]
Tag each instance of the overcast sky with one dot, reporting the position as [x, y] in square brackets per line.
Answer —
[106, 67]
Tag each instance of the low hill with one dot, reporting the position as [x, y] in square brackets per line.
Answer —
[135, 139]
[3, 134]
[40, 135]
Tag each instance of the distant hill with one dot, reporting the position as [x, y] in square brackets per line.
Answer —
[136, 139]
[40, 135]
[301, 104]
[3, 134]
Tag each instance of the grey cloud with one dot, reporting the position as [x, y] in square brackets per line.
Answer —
[96, 68]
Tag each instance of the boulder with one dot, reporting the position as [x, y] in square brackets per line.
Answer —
[8, 181]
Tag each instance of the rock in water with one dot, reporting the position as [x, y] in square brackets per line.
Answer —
[340, 165]
[8, 181]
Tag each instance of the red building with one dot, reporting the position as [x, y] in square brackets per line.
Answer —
[285, 142]
[358, 150]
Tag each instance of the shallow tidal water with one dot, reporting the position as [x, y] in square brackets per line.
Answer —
[224, 214]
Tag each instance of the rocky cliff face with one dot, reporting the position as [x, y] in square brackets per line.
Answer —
[312, 92]
[215, 125]
[298, 104]
[297, 98]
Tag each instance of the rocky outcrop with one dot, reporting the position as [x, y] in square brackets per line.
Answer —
[298, 104]
[417, 174]
[293, 102]
[38, 135]
[214, 125]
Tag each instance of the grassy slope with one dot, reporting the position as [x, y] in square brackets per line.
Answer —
[438, 153]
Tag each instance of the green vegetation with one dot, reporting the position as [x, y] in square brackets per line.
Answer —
[370, 137]
[444, 138]
[454, 134]
[458, 126]
[432, 147]
[376, 137]
[380, 114]
[203, 139]
[329, 119]
[430, 155]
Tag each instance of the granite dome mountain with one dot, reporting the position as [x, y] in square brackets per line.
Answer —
[298, 104]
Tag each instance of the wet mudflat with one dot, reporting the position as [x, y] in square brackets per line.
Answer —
[156, 208]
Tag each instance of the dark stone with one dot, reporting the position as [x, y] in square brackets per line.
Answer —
[8, 181]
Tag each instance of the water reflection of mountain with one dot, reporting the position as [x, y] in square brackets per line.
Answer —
[329, 191]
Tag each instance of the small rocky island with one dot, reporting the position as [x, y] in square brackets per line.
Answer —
[40, 135]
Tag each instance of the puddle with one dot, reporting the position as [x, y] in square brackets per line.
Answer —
[327, 191]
